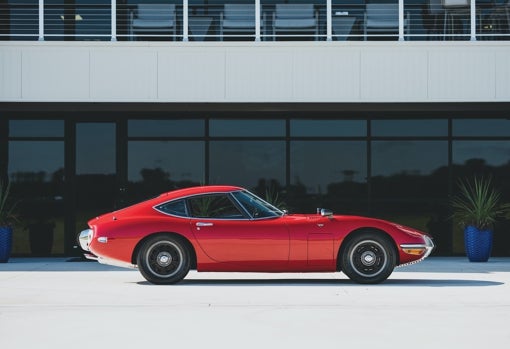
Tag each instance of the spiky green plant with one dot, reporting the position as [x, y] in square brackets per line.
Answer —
[7, 216]
[478, 203]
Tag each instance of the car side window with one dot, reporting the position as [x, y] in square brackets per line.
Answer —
[218, 206]
[174, 208]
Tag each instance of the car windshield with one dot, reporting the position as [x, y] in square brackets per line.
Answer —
[256, 207]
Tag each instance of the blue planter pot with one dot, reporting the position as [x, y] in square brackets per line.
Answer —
[478, 244]
[5, 243]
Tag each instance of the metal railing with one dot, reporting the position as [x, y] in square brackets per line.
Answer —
[255, 20]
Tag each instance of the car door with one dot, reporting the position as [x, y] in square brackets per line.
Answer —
[228, 235]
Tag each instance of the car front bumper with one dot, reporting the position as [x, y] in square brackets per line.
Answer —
[424, 249]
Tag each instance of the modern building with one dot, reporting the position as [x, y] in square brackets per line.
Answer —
[371, 110]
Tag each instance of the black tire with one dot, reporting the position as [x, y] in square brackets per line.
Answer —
[163, 260]
[368, 258]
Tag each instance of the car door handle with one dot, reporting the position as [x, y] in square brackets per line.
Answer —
[204, 224]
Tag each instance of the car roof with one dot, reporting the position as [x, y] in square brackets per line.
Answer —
[205, 189]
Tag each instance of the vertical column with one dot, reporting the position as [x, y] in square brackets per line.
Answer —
[473, 20]
[185, 20]
[4, 148]
[257, 20]
[114, 20]
[329, 18]
[400, 20]
[41, 20]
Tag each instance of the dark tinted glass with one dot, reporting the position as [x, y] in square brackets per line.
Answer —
[481, 128]
[489, 154]
[166, 128]
[175, 208]
[409, 128]
[247, 128]
[36, 128]
[330, 174]
[483, 158]
[213, 206]
[36, 172]
[328, 128]
[250, 164]
[95, 148]
[96, 171]
[159, 166]
[410, 169]
[255, 206]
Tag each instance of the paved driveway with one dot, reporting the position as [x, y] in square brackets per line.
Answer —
[442, 303]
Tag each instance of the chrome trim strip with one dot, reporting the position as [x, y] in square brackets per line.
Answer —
[428, 246]
[90, 256]
[116, 263]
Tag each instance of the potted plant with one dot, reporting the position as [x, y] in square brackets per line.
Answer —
[7, 218]
[476, 208]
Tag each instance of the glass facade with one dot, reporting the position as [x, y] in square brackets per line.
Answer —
[65, 172]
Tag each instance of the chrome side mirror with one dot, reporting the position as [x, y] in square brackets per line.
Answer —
[326, 213]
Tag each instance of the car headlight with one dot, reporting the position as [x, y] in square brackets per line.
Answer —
[85, 238]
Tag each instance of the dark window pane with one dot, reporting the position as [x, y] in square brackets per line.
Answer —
[481, 127]
[328, 128]
[256, 207]
[175, 208]
[214, 206]
[159, 166]
[36, 128]
[409, 128]
[491, 154]
[250, 164]
[36, 172]
[410, 169]
[247, 128]
[96, 177]
[329, 174]
[95, 148]
[484, 158]
[166, 128]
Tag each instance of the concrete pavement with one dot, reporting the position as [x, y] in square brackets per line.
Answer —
[441, 302]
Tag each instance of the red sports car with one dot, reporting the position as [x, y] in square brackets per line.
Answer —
[227, 228]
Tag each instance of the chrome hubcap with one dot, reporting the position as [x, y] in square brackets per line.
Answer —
[164, 259]
[368, 258]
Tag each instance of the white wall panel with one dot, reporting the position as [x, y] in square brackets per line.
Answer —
[399, 74]
[10, 74]
[195, 74]
[503, 74]
[255, 72]
[463, 74]
[326, 75]
[123, 74]
[55, 74]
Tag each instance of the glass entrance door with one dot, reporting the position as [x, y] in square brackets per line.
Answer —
[96, 171]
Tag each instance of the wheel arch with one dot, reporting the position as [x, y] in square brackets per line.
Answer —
[359, 231]
[189, 246]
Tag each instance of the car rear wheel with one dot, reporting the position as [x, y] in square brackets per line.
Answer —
[368, 258]
[163, 260]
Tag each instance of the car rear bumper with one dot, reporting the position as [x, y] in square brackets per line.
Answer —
[84, 239]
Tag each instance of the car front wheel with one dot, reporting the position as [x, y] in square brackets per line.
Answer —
[368, 258]
[163, 260]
